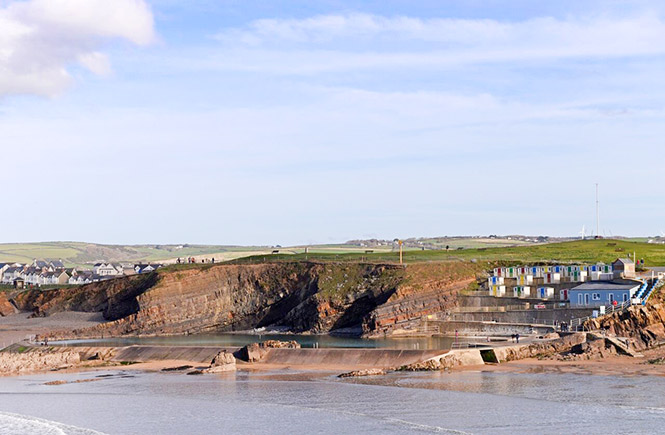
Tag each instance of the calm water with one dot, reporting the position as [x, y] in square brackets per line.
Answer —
[126, 402]
[423, 343]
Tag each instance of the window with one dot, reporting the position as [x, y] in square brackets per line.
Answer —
[625, 297]
[595, 296]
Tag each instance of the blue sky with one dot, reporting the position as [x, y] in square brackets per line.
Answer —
[255, 122]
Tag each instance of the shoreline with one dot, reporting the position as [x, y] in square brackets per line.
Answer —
[18, 326]
[623, 366]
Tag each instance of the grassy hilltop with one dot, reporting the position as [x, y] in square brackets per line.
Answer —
[579, 251]
[508, 251]
[81, 253]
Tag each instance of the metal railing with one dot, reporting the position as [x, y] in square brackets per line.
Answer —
[578, 323]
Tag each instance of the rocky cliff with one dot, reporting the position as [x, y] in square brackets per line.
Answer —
[644, 325]
[6, 307]
[301, 296]
[116, 298]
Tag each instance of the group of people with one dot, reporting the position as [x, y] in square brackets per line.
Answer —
[192, 260]
[563, 326]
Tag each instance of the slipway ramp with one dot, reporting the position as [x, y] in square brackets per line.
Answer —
[361, 358]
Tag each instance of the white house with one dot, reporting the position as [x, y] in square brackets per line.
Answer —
[105, 269]
[146, 268]
[10, 274]
[81, 278]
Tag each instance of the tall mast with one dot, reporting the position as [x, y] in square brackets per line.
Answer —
[597, 214]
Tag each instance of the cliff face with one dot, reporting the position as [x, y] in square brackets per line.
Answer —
[6, 308]
[425, 289]
[304, 297]
[115, 298]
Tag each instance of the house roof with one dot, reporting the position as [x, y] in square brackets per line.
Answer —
[618, 284]
[624, 261]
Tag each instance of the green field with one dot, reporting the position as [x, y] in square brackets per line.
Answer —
[81, 254]
[587, 251]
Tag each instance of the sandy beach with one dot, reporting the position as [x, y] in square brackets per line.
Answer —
[17, 327]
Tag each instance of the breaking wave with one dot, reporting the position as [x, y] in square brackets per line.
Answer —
[24, 424]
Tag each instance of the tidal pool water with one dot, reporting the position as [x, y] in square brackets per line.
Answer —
[240, 339]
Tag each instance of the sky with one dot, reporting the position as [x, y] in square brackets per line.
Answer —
[298, 122]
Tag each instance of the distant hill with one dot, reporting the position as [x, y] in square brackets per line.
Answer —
[82, 254]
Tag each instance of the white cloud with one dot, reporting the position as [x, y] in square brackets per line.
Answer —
[40, 39]
[334, 42]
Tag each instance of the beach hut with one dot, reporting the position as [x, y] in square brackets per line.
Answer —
[563, 294]
[545, 292]
[521, 291]
[496, 280]
[497, 290]
[536, 272]
[552, 278]
[578, 276]
[525, 280]
[511, 272]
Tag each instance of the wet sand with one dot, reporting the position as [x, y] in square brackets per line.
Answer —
[17, 327]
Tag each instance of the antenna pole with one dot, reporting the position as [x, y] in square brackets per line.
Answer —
[597, 214]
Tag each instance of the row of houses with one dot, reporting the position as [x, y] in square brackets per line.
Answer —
[41, 273]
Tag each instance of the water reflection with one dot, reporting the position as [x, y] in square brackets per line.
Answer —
[307, 341]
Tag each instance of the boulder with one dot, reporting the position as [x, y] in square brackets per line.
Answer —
[256, 351]
[252, 352]
[222, 362]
